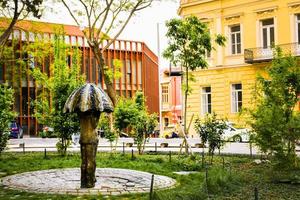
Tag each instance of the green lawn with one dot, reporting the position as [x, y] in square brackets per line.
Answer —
[236, 180]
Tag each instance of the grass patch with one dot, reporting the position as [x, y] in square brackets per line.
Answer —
[228, 178]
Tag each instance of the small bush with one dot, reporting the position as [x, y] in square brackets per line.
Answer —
[220, 180]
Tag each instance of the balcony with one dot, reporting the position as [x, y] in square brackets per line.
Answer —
[166, 107]
[256, 55]
[175, 71]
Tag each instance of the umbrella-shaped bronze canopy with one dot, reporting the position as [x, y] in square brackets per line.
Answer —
[89, 97]
[88, 102]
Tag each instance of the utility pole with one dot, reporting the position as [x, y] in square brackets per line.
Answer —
[159, 81]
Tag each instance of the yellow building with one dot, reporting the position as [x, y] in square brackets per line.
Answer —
[251, 27]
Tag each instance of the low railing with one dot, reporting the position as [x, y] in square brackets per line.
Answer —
[254, 55]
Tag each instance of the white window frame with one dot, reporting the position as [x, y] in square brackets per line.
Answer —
[204, 101]
[235, 42]
[234, 97]
[164, 94]
[268, 27]
[297, 24]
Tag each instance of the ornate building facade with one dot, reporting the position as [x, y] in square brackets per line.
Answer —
[251, 27]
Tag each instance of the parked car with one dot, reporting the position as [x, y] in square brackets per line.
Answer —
[75, 138]
[16, 130]
[236, 135]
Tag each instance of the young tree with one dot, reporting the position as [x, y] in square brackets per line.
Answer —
[143, 123]
[275, 120]
[105, 126]
[104, 21]
[133, 114]
[189, 43]
[57, 88]
[14, 10]
[6, 113]
[210, 131]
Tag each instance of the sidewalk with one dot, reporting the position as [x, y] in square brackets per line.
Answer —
[154, 145]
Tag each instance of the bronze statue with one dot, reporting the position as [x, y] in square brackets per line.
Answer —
[89, 101]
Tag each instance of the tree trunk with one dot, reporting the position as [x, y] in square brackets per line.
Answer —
[7, 32]
[109, 83]
[88, 148]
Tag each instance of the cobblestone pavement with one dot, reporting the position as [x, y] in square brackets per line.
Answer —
[110, 181]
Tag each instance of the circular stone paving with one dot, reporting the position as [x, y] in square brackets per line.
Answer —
[110, 181]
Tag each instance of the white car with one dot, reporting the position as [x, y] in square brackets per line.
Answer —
[235, 134]
[75, 138]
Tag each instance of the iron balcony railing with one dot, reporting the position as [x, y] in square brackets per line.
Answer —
[255, 55]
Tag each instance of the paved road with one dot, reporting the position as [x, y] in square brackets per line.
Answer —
[39, 144]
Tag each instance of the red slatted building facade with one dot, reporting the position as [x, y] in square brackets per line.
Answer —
[139, 70]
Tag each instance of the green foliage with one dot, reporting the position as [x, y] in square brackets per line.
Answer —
[105, 126]
[133, 114]
[210, 131]
[237, 182]
[114, 72]
[6, 113]
[124, 112]
[220, 179]
[57, 88]
[189, 42]
[276, 124]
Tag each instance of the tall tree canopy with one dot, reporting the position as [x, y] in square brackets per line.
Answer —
[104, 21]
[275, 121]
[13, 10]
[189, 43]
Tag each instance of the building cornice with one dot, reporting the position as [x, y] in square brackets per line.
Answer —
[293, 4]
[186, 5]
[195, 3]
[269, 9]
[213, 68]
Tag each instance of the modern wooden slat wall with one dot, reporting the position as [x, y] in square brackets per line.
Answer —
[131, 53]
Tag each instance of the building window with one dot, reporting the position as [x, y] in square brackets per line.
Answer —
[166, 122]
[298, 27]
[235, 39]
[236, 97]
[268, 33]
[128, 72]
[165, 93]
[206, 100]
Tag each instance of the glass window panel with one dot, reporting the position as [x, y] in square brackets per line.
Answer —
[240, 105]
[238, 38]
[238, 86]
[271, 36]
[209, 98]
[235, 28]
[240, 96]
[298, 26]
[209, 108]
[265, 38]
[268, 22]
[232, 39]
[233, 49]
[238, 48]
